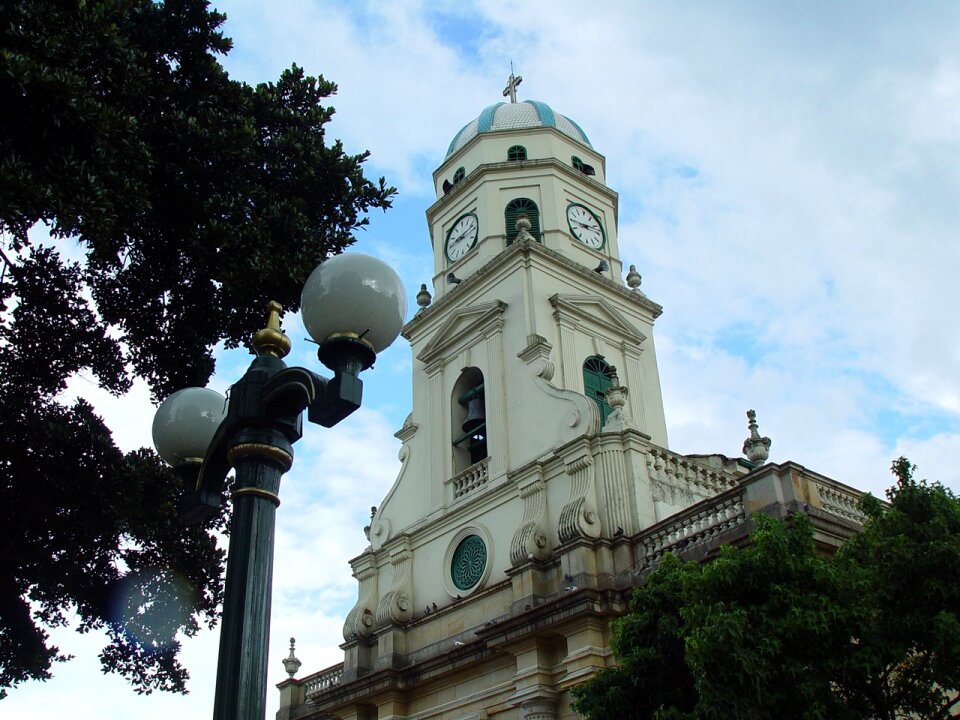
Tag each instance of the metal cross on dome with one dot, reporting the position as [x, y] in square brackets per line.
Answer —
[511, 88]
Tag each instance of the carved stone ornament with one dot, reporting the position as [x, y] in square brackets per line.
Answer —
[756, 448]
[538, 710]
[290, 663]
[394, 606]
[359, 621]
[523, 226]
[579, 410]
[616, 398]
[633, 279]
[424, 298]
[530, 541]
[578, 519]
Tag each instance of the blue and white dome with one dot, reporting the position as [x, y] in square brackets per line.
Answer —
[517, 116]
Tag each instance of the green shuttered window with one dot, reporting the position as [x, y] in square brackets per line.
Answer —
[597, 377]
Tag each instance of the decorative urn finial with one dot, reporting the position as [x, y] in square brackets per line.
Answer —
[616, 398]
[633, 278]
[366, 528]
[756, 448]
[424, 298]
[523, 226]
[290, 663]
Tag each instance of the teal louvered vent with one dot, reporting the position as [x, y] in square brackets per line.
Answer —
[516, 152]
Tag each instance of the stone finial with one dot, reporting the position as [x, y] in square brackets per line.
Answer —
[290, 663]
[616, 398]
[756, 448]
[633, 278]
[524, 226]
[424, 298]
[366, 528]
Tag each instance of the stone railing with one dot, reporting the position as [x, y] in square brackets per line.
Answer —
[473, 477]
[678, 470]
[697, 524]
[323, 680]
[840, 500]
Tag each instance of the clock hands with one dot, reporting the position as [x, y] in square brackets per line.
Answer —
[585, 226]
[462, 237]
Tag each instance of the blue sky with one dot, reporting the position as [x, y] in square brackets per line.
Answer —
[789, 181]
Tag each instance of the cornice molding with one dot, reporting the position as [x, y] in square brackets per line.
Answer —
[594, 310]
[526, 250]
[476, 320]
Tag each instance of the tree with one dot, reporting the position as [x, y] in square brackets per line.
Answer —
[904, 568]
[777, 630]
[193, 199]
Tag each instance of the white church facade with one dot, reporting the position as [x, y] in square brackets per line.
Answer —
[536, 486]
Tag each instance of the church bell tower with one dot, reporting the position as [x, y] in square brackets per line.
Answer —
[535, 453]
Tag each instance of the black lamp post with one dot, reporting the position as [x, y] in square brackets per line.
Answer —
[353, 306]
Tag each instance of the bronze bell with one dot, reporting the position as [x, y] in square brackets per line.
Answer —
[475, 414]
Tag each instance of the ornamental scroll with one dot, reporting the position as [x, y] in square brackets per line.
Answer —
[579, 519]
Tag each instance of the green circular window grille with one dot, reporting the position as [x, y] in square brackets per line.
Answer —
[469, 561]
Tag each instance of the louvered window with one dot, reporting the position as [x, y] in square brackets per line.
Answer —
[597, 377]
[517, 207]
[580, 165]
[459, 175]
[516, 152]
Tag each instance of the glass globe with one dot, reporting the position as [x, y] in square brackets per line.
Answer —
[354, 295]
[185, 424]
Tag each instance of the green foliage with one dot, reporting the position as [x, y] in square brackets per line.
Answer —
[652, 679]
[193, 199]
[778, 630]
[905, 567]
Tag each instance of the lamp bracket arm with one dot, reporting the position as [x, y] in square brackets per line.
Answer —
[203, 500]
[338, 398]
[290, 392]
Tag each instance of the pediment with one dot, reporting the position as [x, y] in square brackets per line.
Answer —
[593, 311]
[462, 324]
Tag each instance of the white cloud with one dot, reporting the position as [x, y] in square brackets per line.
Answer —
[788, 179]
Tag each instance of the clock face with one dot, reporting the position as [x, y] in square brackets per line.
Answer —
[585, 226]
[462, 236]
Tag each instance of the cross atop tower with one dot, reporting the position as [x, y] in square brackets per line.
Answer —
[511, 88]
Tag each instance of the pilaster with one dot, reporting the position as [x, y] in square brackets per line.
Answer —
[498, 441]
[441, 454]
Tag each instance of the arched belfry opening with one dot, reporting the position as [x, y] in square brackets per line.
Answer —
[468, 420]
[597, 378]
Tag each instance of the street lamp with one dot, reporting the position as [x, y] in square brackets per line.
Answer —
[353, 306]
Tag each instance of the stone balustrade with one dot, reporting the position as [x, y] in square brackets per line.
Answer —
[840, 500]
[473, 477]
[323, 680]
[697, 524]
[673, 469]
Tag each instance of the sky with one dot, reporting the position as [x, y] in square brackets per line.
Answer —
[789, 186]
